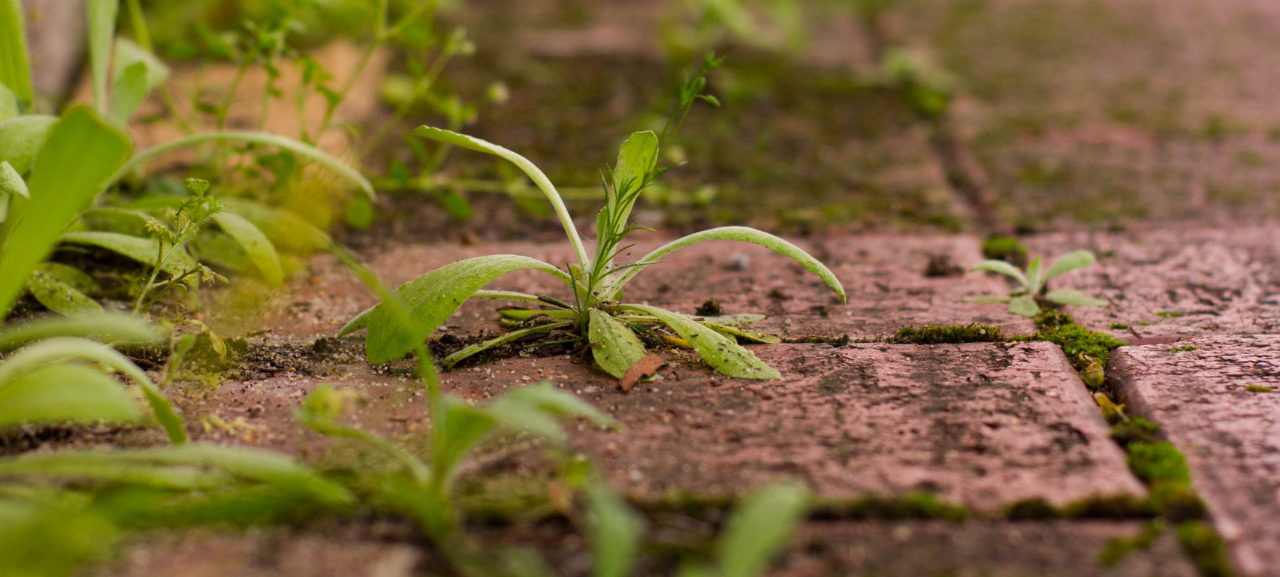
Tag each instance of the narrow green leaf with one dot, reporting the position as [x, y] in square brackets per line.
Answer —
[720, 351]
[733, 320]
[615, 531]
[110, 327]
[613, 345]
[59, 393]
[255, 243]
[15, 63]
[987, 299]
[265, 138]
[8, 100]
[505, 338]
[61, 297]
[143, 250]
[22, 137]
[100, 466]
[102, 32]
[1034, 279]
[128, 53]
[1068, 262]
[1004, 268]
[732, 331]
[534, 173]
[759, 529]
[1073, 298]
[79, 154]
[432, 297]
[461, 426]
[1024, 305]
[636, 159]
[61, 349]
[256, 464]
[287, 231]
[736, 233]
[128, 93]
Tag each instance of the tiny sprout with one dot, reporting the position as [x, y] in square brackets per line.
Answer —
[196, 186]
[1031, 294]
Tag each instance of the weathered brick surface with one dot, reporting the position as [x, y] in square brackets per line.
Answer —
[1230, 435]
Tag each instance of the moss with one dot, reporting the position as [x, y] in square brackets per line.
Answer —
[1176, 501]
[1135, 430]
[1170, 314]
[1100, 507]
[1205, 548]
[1081, 345]
[1006, 248]
[1159, 461]
[1259, 389]
[1031, 509]
[1185, 348]
[1119, 326]
[1117, 549]
[947, 335]
[1052, 320]
[909, 506]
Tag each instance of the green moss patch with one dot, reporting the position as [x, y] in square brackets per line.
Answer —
[1205, 548]
[1259, 389]
[1117, 549]
[1080, 344]
[947, 335]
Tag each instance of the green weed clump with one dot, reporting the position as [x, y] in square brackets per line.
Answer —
[1085, 348]
[947, 335]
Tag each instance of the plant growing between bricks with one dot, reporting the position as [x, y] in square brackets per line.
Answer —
[1032, 285]
[597, 315]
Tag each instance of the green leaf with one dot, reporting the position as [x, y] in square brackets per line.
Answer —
[759, 529]
[733, 320]
[508, 337]
[1024, 305]
[59, 393]
[79, 154]
[615, 532]
[128, 53]
[61, 297]
[720, 351]
[255, 243]
[143, 250]
[1073, 298]
[8, 100]
[11, 183]
[731, 331]
[1004, 268]
[128, 93]
[108, 327]
[102, 31]
[613, 345]
[1034, 279]
[460, 427]
[546, 397]
[987, 299]
[22, 137]
[61, 349]
[534, 173]
[432, 297]
[264, 138]
[15, 63]
[286, 230]
[737, 233]
[103, 468]
[636, 160]
[1069, 262]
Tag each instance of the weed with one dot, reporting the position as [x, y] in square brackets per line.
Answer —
[606, 325]
[1031, 293]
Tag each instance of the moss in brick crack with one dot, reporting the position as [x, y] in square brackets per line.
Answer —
[1205, 548]
[1119, 326]
[1031, 509]
[1052, 320]
[1159, 461]
[1081, 345]
[1117, 549]
[1006, 248]
[947, 335]
[909, 506]
[1135, 430]
[1185, 348]
[1109, 507]
[1259, 389]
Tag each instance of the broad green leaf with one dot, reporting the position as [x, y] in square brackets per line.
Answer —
[102, 31]
[636, 160]
[264, 138]
[1024, 305]
[1073, 298]
[255, 243]
[143, 250]
[736, 233]
[615, 532]
[720, 351]
[70, 275]
[508, 337]
[987, 299]
[8, 100]
[460, 427]
[59, 393]
[432, 297]
[128, 53]
[759, 529]
[22, 137]
[1004, 268]
[100, 466]
[78, 156]
[1069, 262]
[109, 327]
[61, 297]
[731, 331]
[287, 231]
[733, 320]
[1034, 279]
[128, 93]
[15, 63]
[534, 173]
[613, 345]
[61, 349]
[249, 463]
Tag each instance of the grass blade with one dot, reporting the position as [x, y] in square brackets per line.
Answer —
[511, 336]
[759, 529]
[615, 532]
[106, 327]
[15, 62]
[102, 33]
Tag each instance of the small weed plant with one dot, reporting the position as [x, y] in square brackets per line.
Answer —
[596, 281]
[1032, 293]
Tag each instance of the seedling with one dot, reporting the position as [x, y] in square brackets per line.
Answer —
[1031, 294]
[596, 281]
